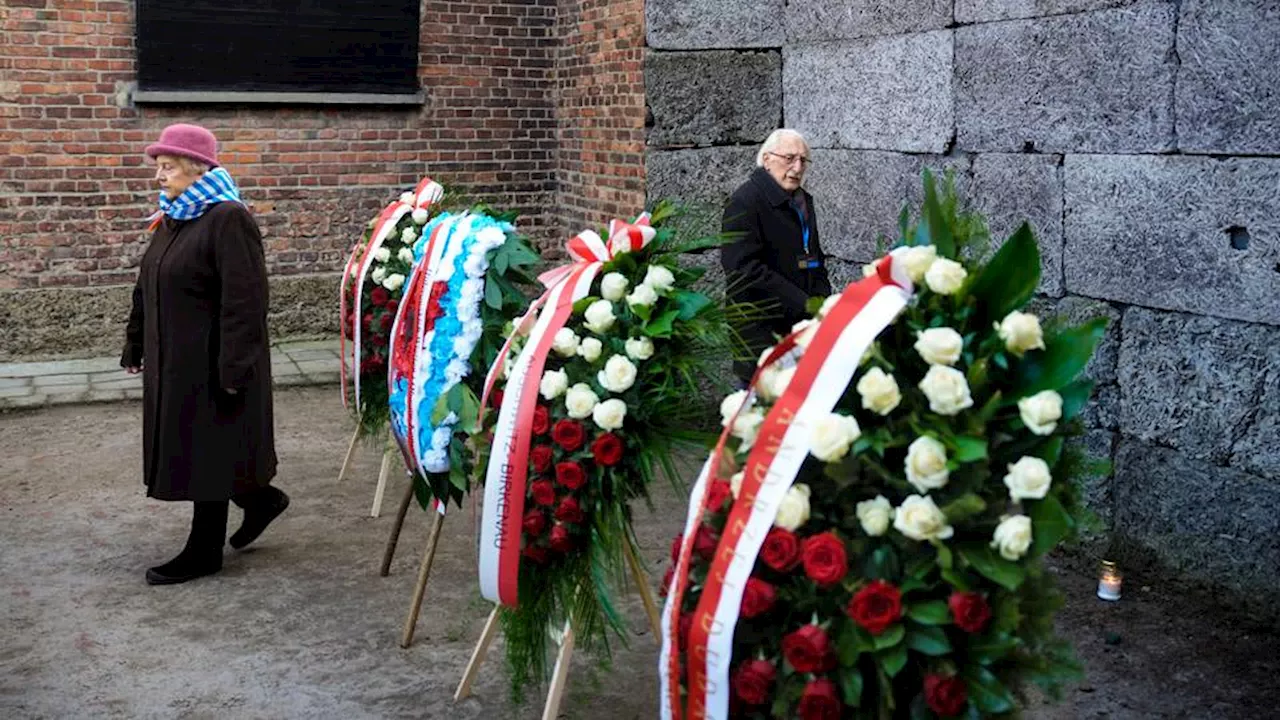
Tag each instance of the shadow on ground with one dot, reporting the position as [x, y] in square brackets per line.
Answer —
[301, 626]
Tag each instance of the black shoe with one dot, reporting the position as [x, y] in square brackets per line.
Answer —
[187, 566]
[258, 516]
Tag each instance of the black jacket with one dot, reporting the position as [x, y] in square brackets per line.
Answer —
[762, 263]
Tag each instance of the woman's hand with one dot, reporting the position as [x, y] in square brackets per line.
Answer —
[133, 369]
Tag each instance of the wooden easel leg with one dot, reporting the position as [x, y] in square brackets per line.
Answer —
[376, 510]
[390, 552]
[419, 590]
[646, 595]
[559, 676]
[351, 450]
[477, 656]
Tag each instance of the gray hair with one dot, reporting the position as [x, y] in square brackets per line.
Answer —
[774, 139]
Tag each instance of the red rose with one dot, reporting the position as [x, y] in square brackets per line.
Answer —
[535, 553]
[534, 523]
[705, 542]
[379, 296]
[368, 321]
[781, 550]
[570, 475]
[809, 650]
[667, 579]
[569, 511]
[560, 540]
[876, 606]
[824, 559]
[541, 420]
[970, 610]
[544, 493]
[568, 434]
[392, 304]
[385, 321]
[820, 701]
[945, 694]
[717, 494]
[686, 624]
[753, 680]
[675, 547]
[497, 398]
[607, 449]
[757, 597]
[540, 456]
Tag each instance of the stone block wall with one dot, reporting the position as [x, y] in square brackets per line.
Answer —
[1141, 138]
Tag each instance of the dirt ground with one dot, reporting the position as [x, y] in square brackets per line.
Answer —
[301, 626]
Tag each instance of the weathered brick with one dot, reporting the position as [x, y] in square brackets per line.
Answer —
[1095, 82]
[891, 93]
[1012, 189]
[713, 98]
[813, 20]
[710, 24]
[1230, 68]
[1159, 231]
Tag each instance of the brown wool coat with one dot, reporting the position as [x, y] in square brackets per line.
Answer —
[198, 327]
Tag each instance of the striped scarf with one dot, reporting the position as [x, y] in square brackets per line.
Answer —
[212, 188]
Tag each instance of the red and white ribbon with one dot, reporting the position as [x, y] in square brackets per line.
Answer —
[425, 194]
[507, 474]
[782, 444]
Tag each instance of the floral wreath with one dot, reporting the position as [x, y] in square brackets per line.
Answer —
[872, 548]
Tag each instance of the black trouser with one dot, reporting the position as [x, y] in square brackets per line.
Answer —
[209, 519]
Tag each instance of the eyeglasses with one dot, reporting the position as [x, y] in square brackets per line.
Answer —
[790, 159]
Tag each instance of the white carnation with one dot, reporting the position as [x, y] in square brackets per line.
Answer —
[382, 254]
[420, 216]
[379, 273]
[405, 255]
[408, 235]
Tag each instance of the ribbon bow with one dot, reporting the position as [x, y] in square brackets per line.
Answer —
[588, 247]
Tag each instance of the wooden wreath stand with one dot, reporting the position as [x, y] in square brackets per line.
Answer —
[383, 472]
[560, 674]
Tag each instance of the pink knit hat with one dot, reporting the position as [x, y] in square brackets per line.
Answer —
[190, 141]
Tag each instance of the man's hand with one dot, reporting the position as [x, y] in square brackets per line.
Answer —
[133, 369]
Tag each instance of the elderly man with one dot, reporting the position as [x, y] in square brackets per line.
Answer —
[774, 261]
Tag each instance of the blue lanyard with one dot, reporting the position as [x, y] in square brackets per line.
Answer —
[804, 225]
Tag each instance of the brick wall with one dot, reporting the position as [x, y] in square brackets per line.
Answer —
[601, 110]
[1141, 138]
[75, 188]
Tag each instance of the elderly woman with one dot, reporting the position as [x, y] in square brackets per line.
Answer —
[198, 335]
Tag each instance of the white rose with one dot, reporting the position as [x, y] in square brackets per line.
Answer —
[565, 342]
[408, 235]
[917, 260]
[793, 510]
[405, 255]
[382, 254]
[580, 400]
[782, 380]
[554, 383]
[1012, 537]
[735, 483]
[827, 304]
[406, 198]
[613, 286]
[643, 295]
[640, 348]
[945, 276]
[1028, 479]
[807, 329]
[730, 405]
[1041, 412]
[918, 518]
[420, 216]
[939, 346]
[659, 278]
[379, 273]
[610, 414]
[599, 316]
[875, 515]
[618, 375]
[947, 390]
[747, 426]
[767, 381]
[832, 437]
[926, 464]
[879, 391]
[1021, 332]
[590, 349]
[393, 282]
